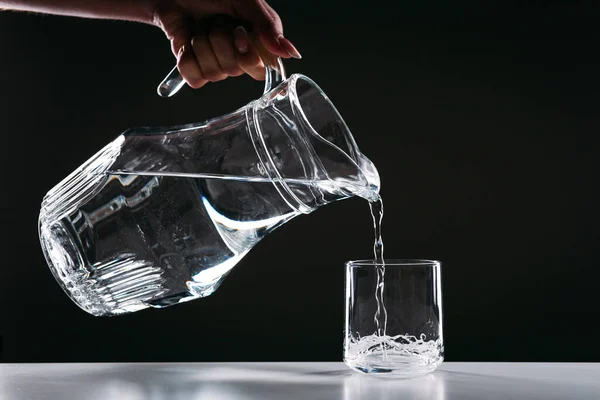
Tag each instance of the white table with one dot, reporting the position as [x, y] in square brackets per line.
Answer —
[305, 381]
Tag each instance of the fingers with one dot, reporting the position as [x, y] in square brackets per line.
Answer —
[189, 69]
[268, 26]
[216, 52]
[247, 56]
[177, 27]
[207, 59]
[281, 40]
[222, 43]
[221, 51]
[172, 20]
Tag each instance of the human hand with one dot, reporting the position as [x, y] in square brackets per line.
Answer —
[210, 41]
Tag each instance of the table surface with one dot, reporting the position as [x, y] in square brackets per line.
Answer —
[295, 380]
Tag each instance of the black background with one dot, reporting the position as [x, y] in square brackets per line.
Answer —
[482, 122]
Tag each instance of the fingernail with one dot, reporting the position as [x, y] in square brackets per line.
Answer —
[289, 47]
[181, 51]
[241, 39]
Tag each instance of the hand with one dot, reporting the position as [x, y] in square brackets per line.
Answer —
[210, 42]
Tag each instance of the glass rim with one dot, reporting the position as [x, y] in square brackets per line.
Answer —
[394, 262]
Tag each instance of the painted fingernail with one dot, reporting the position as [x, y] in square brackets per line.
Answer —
[241, 39]
[289, 47]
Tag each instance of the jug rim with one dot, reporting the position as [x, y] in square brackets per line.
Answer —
[289, 90]
[353, 153]
[295, 100]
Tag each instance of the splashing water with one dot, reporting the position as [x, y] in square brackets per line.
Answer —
[376, 353]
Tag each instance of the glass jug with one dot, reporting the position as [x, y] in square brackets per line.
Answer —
[161, 215]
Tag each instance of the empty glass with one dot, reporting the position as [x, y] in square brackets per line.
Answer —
[400, 333]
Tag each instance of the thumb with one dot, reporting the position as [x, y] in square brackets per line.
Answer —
[267, 26]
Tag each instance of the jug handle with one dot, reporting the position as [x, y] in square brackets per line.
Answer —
[274, 72]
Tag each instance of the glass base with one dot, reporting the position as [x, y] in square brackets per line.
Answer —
[394, 365]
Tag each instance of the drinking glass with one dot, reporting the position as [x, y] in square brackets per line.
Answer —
[393, 317]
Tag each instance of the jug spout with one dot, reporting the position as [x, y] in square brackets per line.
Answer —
[371, 177]
[307, 146]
